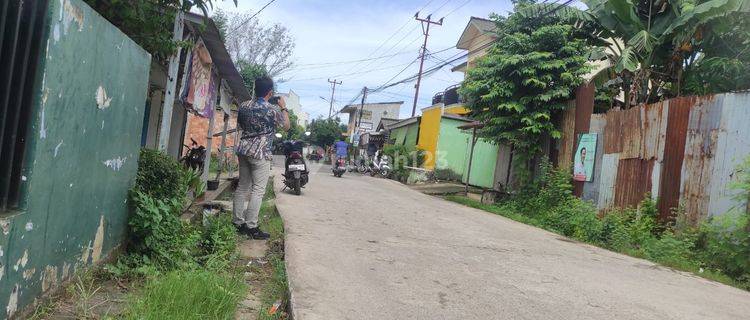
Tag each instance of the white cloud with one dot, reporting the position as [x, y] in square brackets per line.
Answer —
[329, 31]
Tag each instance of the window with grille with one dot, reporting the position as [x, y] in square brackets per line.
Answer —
[21, 30]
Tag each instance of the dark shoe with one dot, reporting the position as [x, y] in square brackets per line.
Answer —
[243, 230]
[257, 234]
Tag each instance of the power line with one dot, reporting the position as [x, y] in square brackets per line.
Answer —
[451, 59]
[253, 16]
[459, 7]
[311, 65]
[410, 31]
[439, 66]
[353, 73]
[392, 35]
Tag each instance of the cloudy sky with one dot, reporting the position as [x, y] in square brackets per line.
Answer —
[329, 35]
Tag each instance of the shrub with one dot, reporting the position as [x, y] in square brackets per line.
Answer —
[671, 250]
[403, 156]
[159, 238]
[160, 176]
[725, 245]
[157, 233]
[721, 246]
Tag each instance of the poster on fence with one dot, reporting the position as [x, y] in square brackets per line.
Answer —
[583, 162]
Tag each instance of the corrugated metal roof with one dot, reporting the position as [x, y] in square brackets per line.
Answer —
[353, 107]
[402, 123]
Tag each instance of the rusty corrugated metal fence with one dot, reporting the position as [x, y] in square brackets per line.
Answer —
[684, 152]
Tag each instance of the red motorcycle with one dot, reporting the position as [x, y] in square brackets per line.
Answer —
[339, 167]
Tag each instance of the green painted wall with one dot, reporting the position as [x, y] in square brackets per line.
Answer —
[452, 146]
[406, 135]
[81, 154]
[483, 165]
[412, 131]
[398, 135]
[453, 153]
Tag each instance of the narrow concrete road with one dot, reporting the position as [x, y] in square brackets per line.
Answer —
[366, 248]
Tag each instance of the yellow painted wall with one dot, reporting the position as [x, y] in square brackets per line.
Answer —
[458, 109]
[429, 129]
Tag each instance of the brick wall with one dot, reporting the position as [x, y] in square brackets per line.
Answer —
[197, 128]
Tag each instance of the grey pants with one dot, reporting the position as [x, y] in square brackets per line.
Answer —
[252, 186]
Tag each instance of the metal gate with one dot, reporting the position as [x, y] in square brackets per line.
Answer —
[21, 27]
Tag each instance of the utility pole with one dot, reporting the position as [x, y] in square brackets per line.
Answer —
[333, 90]
[361, 109]
[169, 96]
[426, 32]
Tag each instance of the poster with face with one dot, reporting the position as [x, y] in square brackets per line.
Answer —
[583, 162]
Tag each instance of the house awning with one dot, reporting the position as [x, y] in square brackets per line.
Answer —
[472, 125]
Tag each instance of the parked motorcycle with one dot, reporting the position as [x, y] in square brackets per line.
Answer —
[295, 174]
[314, 156]
[195, 156]
[361, 166]
[380, 167]
[339, 167]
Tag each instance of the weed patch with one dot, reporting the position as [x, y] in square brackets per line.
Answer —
[717, 249]
[276, 287]
[194, 294]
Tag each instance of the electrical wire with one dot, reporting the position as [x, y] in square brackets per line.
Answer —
[439, 66]
[251, 17]
[448, 61]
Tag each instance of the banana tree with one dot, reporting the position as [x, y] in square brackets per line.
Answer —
[658, 37]
[651, 42]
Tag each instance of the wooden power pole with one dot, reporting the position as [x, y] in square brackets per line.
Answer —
[426, 31]
[361, 109]
[333, 90]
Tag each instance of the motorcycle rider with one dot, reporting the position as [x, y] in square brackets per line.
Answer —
[342, 149]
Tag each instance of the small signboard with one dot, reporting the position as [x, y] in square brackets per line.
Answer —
[583, 161]
[365, 125]
[366, 115]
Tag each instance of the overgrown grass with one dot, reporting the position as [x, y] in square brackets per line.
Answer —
[191, 294]
[717, 250]
[184, 270]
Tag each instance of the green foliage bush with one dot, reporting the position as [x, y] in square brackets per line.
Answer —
[718, 249]
[160, 240]
[158, 235]
[725, 245]
[161, 177]
[402, 156]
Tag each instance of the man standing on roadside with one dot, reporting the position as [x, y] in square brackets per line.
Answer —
[257, 120]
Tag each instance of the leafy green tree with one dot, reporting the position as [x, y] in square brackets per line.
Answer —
[324, 132]
[525, 80]
[148, 22]
[249, 72]
[295, 132]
